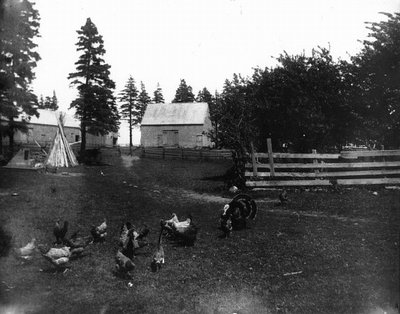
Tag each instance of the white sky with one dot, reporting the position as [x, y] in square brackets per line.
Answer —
[201, 41]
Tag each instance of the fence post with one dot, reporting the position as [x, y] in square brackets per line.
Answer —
[163, 153]
[315, 161]
[271, 158]
[143, 152]
[253, 160]
[182, 152]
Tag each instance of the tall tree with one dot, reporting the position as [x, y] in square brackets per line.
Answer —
[184, 93]
[50, 103]
[204, 96]
[95, 106]
[19, 26]
[128, 98]
[143, 100]
[158, 95]
[377, 70]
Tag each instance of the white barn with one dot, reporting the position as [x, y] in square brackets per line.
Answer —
[176, 125]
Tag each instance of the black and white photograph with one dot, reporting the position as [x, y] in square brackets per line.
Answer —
[200, 156]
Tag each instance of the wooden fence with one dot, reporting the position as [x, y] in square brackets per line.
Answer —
[346, 168]
[186, 153]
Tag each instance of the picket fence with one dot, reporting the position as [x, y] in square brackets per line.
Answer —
[313, 169]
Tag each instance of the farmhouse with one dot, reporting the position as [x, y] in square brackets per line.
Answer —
[176, 125]
[44, 128]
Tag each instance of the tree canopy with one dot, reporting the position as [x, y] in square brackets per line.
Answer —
[96, 105]
[128, 99]
[158, 95]
[19, 26]
[184, 93]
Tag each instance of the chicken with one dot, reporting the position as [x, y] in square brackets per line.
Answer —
[283, 197]
[59, 257]
[158, 256]
[124, 234]
[235, 214]
[123, 264]
[99, 233]
[60, 232]
[182, 231]
[76, 241]
[25, 253]
[134, 240]
[143, 232]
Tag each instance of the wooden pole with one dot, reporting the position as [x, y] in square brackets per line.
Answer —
[315, 161]
[271, 158]
[253, 160]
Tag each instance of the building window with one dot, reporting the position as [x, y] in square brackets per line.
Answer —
[76, 138]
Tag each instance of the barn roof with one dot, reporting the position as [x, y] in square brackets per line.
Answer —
[175, 113]
[48, 117]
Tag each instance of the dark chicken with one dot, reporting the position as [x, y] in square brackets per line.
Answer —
[60, 232]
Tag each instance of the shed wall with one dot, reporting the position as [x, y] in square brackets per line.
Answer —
[189, 136]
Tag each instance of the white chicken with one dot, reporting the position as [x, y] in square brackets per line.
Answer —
[99, 233]
[182, 231]
[25, 252]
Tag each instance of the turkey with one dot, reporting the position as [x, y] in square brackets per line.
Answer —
[236, 213]
[184, 232]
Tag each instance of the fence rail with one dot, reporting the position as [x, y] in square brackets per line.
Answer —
[186, 153]
[313, 169]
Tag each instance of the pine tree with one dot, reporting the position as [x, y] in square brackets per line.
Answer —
[96, 105]
[143, 101]
[128, 98]
[158, 96]
[184, 93]
[19, 26]
[54, 101]
[204, 96]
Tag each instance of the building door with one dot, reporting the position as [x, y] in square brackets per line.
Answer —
[170, 138]
[199, 140]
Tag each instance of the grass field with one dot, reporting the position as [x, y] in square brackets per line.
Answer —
[324, 252]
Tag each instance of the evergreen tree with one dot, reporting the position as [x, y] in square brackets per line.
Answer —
[19, 26]
[128, 98]
[95, 106]
[184, 93]
[158, 96]
[54, 101]
[143, 101]
[204, 96]
[50, 103]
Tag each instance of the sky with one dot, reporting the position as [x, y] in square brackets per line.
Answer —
[202, 41]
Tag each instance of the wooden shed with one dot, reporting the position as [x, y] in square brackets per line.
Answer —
[176, 125]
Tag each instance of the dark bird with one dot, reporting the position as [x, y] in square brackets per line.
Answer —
[236, 213]
[123, 264]
[99, 233]
[76, 241]
[184, 232]
[283, 197]
[60, 232]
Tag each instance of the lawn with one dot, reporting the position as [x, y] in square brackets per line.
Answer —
[323, 252]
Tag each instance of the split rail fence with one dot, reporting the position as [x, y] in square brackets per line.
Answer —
[313, 169]
[186, 153]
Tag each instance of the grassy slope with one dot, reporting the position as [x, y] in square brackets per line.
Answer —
[349, 263]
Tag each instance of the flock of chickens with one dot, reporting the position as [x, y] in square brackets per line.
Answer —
[65, 249]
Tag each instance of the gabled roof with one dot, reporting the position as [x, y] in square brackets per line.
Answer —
[48, 117]
[175, 113]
